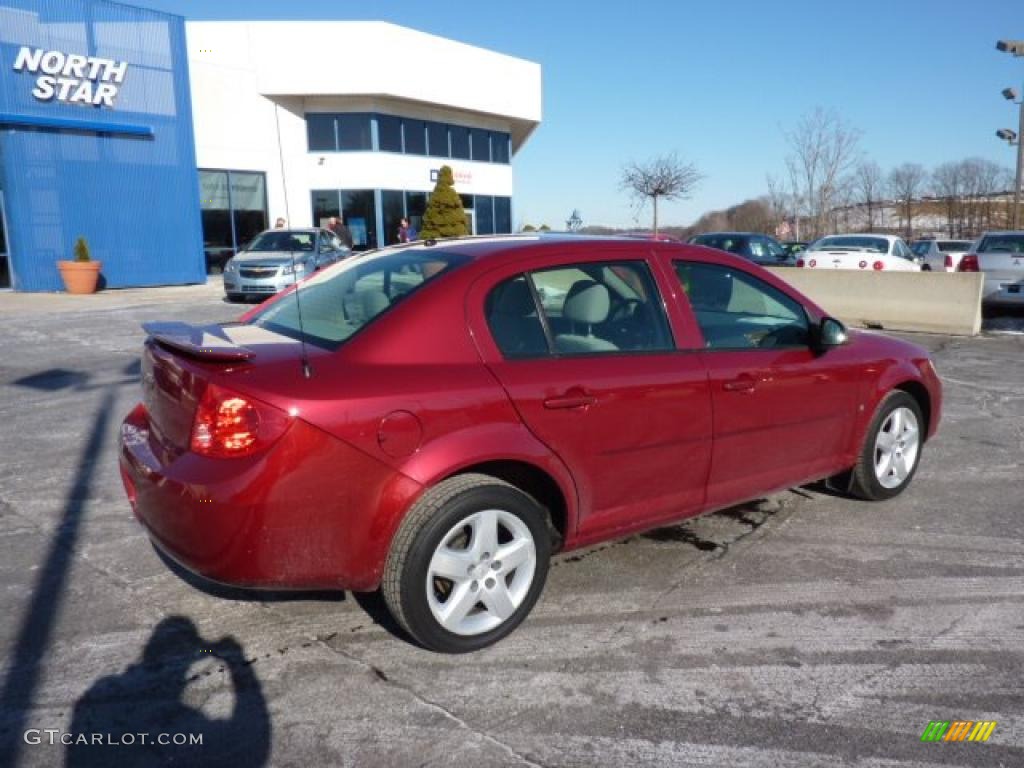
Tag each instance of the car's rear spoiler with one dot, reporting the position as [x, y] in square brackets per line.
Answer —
[206, 342]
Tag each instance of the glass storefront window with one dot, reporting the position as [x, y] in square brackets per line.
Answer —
[484, 215]
[415, 207]
[500, 148]
[248, 205]
[481, 145]
[320, 130]
[359, 212]
[354, 132]
[437, 139]
[392, 204]
[502, 215]
[325, 205]
[460, 141]
[233, 206]
[389, 133]
[415, 137]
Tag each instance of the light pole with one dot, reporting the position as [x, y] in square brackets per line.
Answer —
[1015, 48]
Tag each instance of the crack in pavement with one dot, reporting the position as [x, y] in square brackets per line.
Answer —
[434, 706]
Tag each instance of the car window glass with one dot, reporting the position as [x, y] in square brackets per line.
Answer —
[1002, 244]
[757, 249]
[512, 317]
[283, 240]
[337, 303]
[954, 246]
[604, 307]
[736, 310]
[921, 247]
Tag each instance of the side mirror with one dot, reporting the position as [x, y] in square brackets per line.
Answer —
[831, 333]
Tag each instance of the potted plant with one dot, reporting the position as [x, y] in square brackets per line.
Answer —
[82, 274]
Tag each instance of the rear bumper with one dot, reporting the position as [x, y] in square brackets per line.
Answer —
[311, 512]
[1003, 292]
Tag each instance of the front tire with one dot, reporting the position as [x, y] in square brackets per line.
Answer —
[892, 449]
[468, 563]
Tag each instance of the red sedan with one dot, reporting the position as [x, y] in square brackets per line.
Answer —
[435, 420]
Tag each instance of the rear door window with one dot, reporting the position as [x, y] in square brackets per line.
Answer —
[578, 309]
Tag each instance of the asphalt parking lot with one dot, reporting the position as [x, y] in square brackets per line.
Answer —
[804, 630]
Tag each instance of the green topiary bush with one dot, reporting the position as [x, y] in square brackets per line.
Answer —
[444, 216]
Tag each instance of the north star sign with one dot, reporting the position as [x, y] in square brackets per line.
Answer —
[72, 78]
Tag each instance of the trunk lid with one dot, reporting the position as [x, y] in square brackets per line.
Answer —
[179, 361]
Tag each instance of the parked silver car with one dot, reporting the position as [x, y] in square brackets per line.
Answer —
[940, 255]
[277, 258]
[1000, 256]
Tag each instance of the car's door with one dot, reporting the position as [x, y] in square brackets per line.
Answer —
[783, 414]
[583, 349]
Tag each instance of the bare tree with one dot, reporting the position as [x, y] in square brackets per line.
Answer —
[824, 148]
[783, 206]
[906, 183]
[868, 185]
[664, 177]
[948, 183]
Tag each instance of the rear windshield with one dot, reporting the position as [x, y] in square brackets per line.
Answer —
[954, 246]
[337, 303]
[283, 240]
[1002, 243]
[876, 244]
[731, 243]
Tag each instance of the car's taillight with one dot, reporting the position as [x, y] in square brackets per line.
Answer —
[229, 425]
[799, 262]
[862, 264]
[878, 266]
[969, 263]
[948, 262]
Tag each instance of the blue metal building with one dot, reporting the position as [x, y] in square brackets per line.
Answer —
[96, 140]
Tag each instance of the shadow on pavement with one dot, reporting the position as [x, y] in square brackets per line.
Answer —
[144, 718]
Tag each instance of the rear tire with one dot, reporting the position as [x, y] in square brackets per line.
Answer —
[467, 564]
[892, 449]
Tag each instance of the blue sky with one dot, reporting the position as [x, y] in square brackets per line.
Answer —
[716, 82]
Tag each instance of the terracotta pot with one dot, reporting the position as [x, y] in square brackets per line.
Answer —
[80, 276]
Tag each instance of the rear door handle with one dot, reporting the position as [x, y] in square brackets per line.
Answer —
[574, 398]
[742, 383]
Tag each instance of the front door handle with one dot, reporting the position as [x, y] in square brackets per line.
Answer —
[574, 398]
[742, 383]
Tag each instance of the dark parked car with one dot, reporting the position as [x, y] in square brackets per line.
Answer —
[435, 420]
[760, 249]
[793, 247]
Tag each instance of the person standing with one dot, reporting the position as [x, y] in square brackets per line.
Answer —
[403, 231]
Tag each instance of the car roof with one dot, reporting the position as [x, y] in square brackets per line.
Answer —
[732, 234]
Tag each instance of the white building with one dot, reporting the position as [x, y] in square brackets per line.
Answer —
[307, 120]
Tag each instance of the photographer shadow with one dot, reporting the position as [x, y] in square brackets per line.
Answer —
[148, 698]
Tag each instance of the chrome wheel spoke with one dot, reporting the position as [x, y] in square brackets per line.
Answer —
[886, 441]
[514, 554]
[458, 605]
[451, 564]
[899, 467]
[498, 600]
[485, 533]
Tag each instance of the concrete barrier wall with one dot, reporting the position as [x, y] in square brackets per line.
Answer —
[932, 302]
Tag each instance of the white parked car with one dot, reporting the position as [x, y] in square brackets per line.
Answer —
[1000, 255]
[877, 252]
[941, 255]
